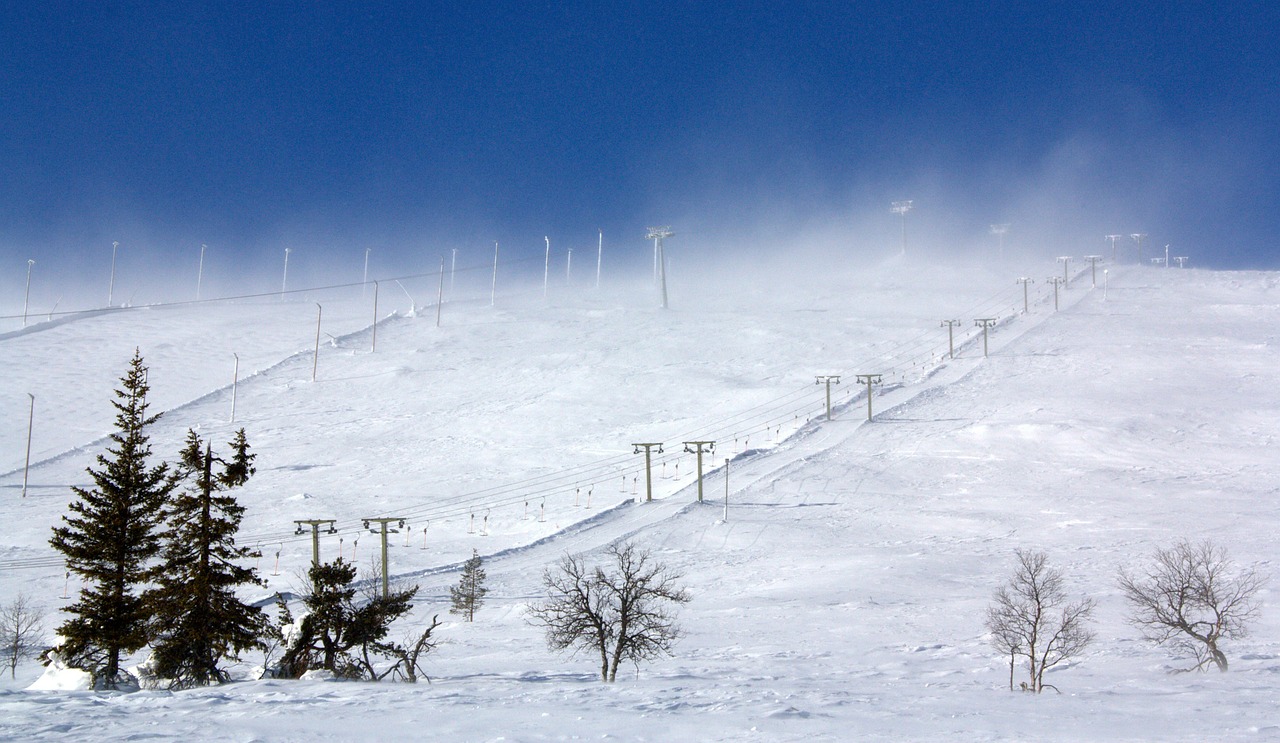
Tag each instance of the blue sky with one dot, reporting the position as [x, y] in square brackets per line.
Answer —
[416, 127]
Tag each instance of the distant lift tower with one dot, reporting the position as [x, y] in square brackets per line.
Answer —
[901, 208]
[1138, 237]
[1113, 239]
[657, 234]
[1000, 230]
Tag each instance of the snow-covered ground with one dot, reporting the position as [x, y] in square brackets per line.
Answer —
[842, 598]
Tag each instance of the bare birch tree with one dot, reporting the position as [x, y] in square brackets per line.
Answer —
[21, 632]
[1030, 617]
[1191, 599]
[623, 611]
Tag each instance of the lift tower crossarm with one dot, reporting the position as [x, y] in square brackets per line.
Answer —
[315, 525]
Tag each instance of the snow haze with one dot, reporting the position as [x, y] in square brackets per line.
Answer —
[843, 596]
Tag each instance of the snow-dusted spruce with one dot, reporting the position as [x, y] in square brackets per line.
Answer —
[21, 632]
[111, 538]
[468, 595]
[624, 613]
[340, 634]
[198, 620]
[1030, 617]
[1191, 599]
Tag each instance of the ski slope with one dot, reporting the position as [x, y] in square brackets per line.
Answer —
[842, 596]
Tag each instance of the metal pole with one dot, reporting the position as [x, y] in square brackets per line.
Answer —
[726, 489]
[568, 268]
[599, 258]
[984, 323]
[374, 346]
[315, 535]
[385, 579]
[698, 451]
[1113, 239]
[1000, 230]
[31, 420]
[111, 288]
[440, 293]
[1138, 238]
[383, 522]
[660, 258]
[494, 288]
[951, 336]
[27, 297]
[1026, 306]
[662, 270]
[316, 361]
[1093, 269]
[546, 269]
[648, 465]
[235, 382]
[828, 379]
[648, 475]
[200, 273]
[365, 280]
[870, 379]
[453, 269]
[284, 282]
[1104, 284]
[902, 207]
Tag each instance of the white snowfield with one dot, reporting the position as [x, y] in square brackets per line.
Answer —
[843, 596]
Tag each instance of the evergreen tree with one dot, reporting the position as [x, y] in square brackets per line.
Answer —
[110, 538]
[337, 624]
[198, 619]
[469, 593]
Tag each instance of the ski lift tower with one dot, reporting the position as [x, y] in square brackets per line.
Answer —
[657, 234]
[901, 208]
[1000, 230]
[1138, 237]
[1113, 239]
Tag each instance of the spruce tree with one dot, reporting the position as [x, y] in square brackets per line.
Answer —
[338, 622]
[110, 539]
[469, 593]
[198, 619]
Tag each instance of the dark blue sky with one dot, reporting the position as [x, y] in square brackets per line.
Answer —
[338, 126]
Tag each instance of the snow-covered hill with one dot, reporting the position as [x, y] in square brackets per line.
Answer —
[842, 597]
